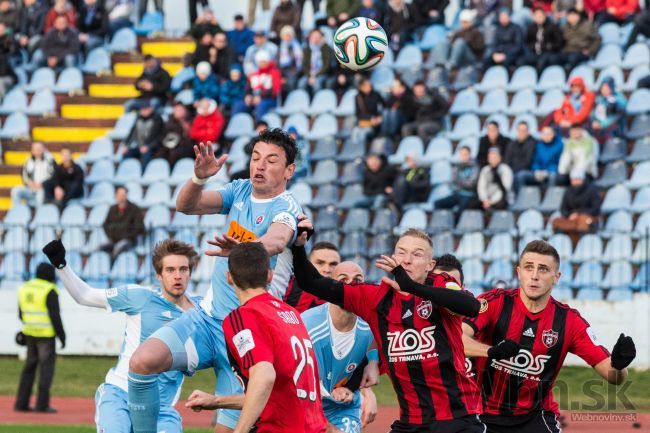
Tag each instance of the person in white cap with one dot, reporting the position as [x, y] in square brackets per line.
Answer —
[205, 83]
[263, 85]
[465, 46]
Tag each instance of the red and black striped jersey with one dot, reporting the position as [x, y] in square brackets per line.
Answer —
[523, 384]
[421, 349]
[299, 299]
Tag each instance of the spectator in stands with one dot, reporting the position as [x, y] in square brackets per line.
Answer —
[608, 115]
[145, 136]
[544, 42]
[240, 38]
[399, 23]
[153, 84]
[260, 44]
[580, 208]
[492, 138]
[394, 115]
[119, 14]
[208, 123]
[60, 46]
[317, 62]
[519, 154]
[545, 160]
[464, 179]
[287, 13]
[289, 58]
[594, 9]
[303, 168]
[369, 9]
[7, 75]
[221, 56]
[580, 151]
[263, 87]
[37, 170]
[123, 224]
[31, 24]
[202, 51]
[233, 91]
[67, 182]
[193, 7]
[93, 24]
[576, 106]
[465, 47]
[641, 27]
[339, 11]
[581, 40]
[60, 8]
[429, 12]
[252, 6]
[494, 186]
[204, 84]
[378, 179]
[425, 112]
[620, 11]
[142, 9]
[369, 105]
[206, 23]
[176, 142]
[412, 185]
[8, 15]
[508, 42]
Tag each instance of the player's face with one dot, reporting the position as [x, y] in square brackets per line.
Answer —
[537, 275]
[175, 275]
[269, 170]
[348, 272]
[416, 256]
[325, 261]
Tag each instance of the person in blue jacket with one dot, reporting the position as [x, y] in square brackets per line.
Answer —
[545, 160]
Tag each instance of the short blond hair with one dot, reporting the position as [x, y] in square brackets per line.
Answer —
[417, 233]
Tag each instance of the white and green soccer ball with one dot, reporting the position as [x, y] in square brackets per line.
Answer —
[360, 44]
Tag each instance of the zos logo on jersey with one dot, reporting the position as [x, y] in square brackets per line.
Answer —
[524, 364]
[411, 345]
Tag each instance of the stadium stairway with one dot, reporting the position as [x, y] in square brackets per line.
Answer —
[83, 116]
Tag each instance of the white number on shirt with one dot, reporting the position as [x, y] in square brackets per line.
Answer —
[302, 354]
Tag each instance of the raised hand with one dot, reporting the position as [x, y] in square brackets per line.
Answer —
[55, 252]
[623, 353]
[386, 263]
[225, 244]
[305, 229]
[205, 163]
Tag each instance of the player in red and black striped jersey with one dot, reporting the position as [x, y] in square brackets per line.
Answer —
[418, 332]
[517, 392]
[325, 257]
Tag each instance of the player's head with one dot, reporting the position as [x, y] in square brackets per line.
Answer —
[272, 162]
[348, 272]
[173, 262]
[538, 269]
[449, 264]
[325, 257]
[415, 249]
[249, 266]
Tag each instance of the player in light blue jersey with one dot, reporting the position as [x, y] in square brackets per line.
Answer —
[147, 310]
[259, 209]
[343, 344]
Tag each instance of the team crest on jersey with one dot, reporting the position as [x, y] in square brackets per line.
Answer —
[276, 304]
[424, 309]
[351, 367]
[484, 306]
[549, 338]
[259, 219]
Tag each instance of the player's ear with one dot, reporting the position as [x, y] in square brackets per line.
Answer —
[289, 171]
[229, 278]
[431, 266]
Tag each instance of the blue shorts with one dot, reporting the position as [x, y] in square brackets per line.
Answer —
[112, 412]
[345, 418]
[196, 342]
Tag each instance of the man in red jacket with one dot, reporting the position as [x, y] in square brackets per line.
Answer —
[620, 11]
[263, 85]
[577, 105]
[208, 123]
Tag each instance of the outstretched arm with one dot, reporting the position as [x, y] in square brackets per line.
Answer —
[200, 400]
[258, 391]
[614, 368]
[311, 281]
[473, 348]
[192, 200]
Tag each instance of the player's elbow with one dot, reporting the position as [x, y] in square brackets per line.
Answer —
[263, 373]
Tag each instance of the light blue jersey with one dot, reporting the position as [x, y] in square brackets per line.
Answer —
[336, 369]
[249, 219]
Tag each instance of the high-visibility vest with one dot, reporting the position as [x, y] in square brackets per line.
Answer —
[32, 299]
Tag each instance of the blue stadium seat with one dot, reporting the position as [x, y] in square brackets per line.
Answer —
[619, 247]
[501, 246]
[473, 272]
[639, 102]
[98, 60]
[380, 244]
[212, 223]
[203, 271]
[273, 120]
[346, 107]
[494, 101]
[125, 268]
[327, 195]
[13, 267]
[16, 126]
[73, 238]
[354, 244]
[552, 199]
[382, 78]
[553, 77]
[641, 201]
[618, 276]
[298, 121]
[123, 126]
[383, 222]
[530, 221]
[151, 22]
[409, 57]
[185, 97]
[124, 40]
[637, 55]
[130, 169]
[351, 196]
[157, 193]
[326, 171]
[45, 215]
[566, 269]
[589, 294]
[619, 295]
[590, 247]
[442, 220]
[184, 221]
[136, 192]
[324, 126]
[331, 236]
[585, 72]
[500, 222]
[640, 128]
[14, 101]
[562, 244]
[633, 79]
[524, 101]
[100, 148]
[609, 33]
[439, 148]
[301, 191]
[618, 222]
[465, 77]
[411, 145]
[615, 173]
[499, 272]
[15, 238]
[640, 254]
[328, 219]
[530, 120]
[444, 243]
[466, 101]
[324, 101]
[437, 192]
[352, 173]
[551, 100]
[41, 236]
[69, 80]
[157, 216]
[97, 216]
[524, 77]
[640, 177]
[471, 142]
[42, 78]
[326, 148]
[73, 215]
[528, 197]
[103, 192]
[501, 119]
[440, 172]
[156, 171]
[613, 149]
[18, 215]
[496, 77]
[437, 77]
[239, 124]
[412, 218]
[471, 246]
[614, 72]
[562, 294]
[467, 125]
[297, 102]
[589, 275]
[432, 36]
[616, 198]
[357, 220]
[642, 278]
[470, 220]
[42, 102]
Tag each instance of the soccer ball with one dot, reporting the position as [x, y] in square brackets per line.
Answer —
[360, 44]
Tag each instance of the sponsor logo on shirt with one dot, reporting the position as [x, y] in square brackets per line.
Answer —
[592, 336]
[408, 314]
[484, 306]
[239, 205]
[240, 233]
[244, 342]
[468, 368]
[111, 293]
[528, 333]
[167, 314]
[411, 345]
[351, 367]
[524, 364]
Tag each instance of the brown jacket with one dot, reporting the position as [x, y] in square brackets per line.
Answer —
[583, 36]
[126, 225]
[286, 14]
[473, 38]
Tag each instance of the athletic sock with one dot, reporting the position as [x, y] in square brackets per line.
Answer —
[144, 402]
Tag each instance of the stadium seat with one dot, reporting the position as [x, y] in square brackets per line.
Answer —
[562, 294]
[551, 100]
[642, 278]
[494, 101]
[552, 199]
[442, 220]
[357, 220]
[529, 119]
[43, 102]
[15, 239]
[637, 55]
[157, 193]
[240, 124]
[614, 149]
[524, 101]
[185, 97]
[352, 173]
[151, 22]
[498, 273]
[301, 191]
[18, 215]
[614, 72]
[97, 216]
[203, 271]
[327, 195]
[380, 244]
[123, 126]
[125, 268]
[618, 222]
[100, 148]
[640, 128]
[615, 173]
[590, 247]
[409, 57]
[432, 36]
[640, 177]
[496, 77]
[466, 101]
[465, 77]
[324, 126]
[439, 148]
[14, 101]
[297, 102]
[351, 196]
[103, 192]
[467, 125]
[130, 169]
[589, 294]
[13, 267]
[42, 78]
[328, 219]
[440, 172]
[471, 142]
[298, 121]
[351, 151]
[500, 222]
[212, 223]
[135, 191]
[354, 244]
[273, 120]
[616, 198]
[157, 216]
[530, 221]
[566, 277]
[70, 79]
[331, 236]
[641, 201]
[633, 79]
[437, 192]
[324, 101]
[326, 171]
[619, 247]
[609, 33]
[41, 236]
[501, 119]
[471, 246]
[501, 246]
[608, 54]
[382, 78]
[524, 77]
[444, 243]
[124, 40]
[45, 215]
[553, 77]
[98, 60]
[73, 215]
[528, 197]
[346, 107]
[156, 171]
[583, 71]
[73, 238]
[639, 102]
[16, 126]
[562, 244]
[411, 145]
[619, 295]
[412, 218]
[589, 275]
[470, 221]
[383, 222]
[437, 77]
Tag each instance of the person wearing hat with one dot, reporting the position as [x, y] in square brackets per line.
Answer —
[204, 84]
[264, 85]
[495, 181]
[508, 42]
[576, 106]
[465, 47]
[260, 43]
[38, 308]
[580, 206]
[608, 116]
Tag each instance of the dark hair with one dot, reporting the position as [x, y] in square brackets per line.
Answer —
[119, 187]
[541, 247]
[467, 148]
[280, 138]
[323, 246]
[261, 123]
[170, 247]
[249, 264]
[494, 123]
[148, 57]
[419, 83]
[45, 271]
[539, 8]
[448, 263]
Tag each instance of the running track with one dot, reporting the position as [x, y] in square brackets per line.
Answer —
[81, 411]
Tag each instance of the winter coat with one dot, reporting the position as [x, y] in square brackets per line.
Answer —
[488, 187]
[579, 154]
[608, 111]
[38, 170]
[583, 199]
[98, 25]
[623, 8]
[147, 131]
[432, 107]
[327, 57]
[60, 44]
[575, 110]
[240, 40]
[550, 38]
[51, 15]
[465, 177]
[225, 59]
[508, 40]
[31, 21]
[547, 155]
[375, 182]
[368, 106]
[208, 88]
[265, 82]
[580, 37]
[71, 179]
[334, 8]
[232, 92]
[207, 128]
[161, 81]
[484, 145]
[286, 14]
[421, 10]
[128, 224]
[474, 38]
[519, 156]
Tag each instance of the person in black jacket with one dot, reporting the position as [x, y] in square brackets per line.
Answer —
[153, 84]
[580, 206]
[92, 24]
[399, 23]
[464, 182]
[368, 105]
[519, 153]
[544, 42]
[176, 141]
[60, 46]
[378, 179]
[7, 75]
[428, 12]
[412, 185]
[424, 112]
[67, 183]
[508, 42]
[492, 138]
[394, 115]
[221, 56]
[31, 22]
[145, 137]
[123, 224]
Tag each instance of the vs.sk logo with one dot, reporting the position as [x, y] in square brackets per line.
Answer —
[259, 219]
[549, 338]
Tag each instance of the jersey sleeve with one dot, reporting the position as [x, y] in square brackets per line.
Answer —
[127, 299]
[584, 342]
[285, 211]
[228, 193]
[248, 338]
[361, 299]
[488, 313]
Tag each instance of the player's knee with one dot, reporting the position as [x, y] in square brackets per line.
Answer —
[151, 357]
